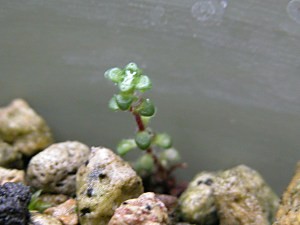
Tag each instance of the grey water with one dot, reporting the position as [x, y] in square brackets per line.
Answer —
[226, 74]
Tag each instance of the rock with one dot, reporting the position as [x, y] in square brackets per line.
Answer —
[289, 210]
[65, 212]
[53, 199]
[244, 198]
[54, 169]
[14, 199]
[197, 203]
[145, 210]
[23, 128]
[103, 183]
[11, 175]
[238, 196]
[10, 157]
[42, 219]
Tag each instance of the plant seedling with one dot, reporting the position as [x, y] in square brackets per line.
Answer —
[155, 169]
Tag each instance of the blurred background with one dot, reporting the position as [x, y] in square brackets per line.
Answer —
[225, 73]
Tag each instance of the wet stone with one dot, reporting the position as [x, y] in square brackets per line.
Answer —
[103, 183]
[54, 169]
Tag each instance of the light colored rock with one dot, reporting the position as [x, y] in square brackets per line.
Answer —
[42, 219]
[10, 157]
[54, 169]
[197, 203]
[11, 175]
[289, 210]
[53, 199]
[244, 198]
[23, 128]
[103, 183]
[145, 210]
[65, 212]
[238, 196]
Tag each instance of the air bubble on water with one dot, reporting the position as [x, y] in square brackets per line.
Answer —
[293, 9]
[209, 10]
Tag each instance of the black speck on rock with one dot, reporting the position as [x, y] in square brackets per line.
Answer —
[14, 199]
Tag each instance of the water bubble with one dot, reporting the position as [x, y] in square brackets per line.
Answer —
[209, 10]
[293, 9]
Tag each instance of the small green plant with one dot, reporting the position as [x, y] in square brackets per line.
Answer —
[36, 203]
[155, 167]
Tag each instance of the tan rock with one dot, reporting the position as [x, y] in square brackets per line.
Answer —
[9, 156]
[103, 183]
[145, 210]
[42, 219]
[289, 209]
[65, 212]
[54, 169]
[11, 175]
[24, 128]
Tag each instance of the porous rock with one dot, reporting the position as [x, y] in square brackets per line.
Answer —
[43, 219]
[244, 198]
[14, 199]
[147, 209]
[197, 202]
[103, 183]
[23, 128]
[11, 175]
[10, 157]
[237, 196]
[65, 212]
[289, 210]
[54, 169]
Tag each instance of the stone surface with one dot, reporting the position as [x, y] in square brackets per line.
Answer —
[14, 199]
[54, 169]
[65, 212]
[23, 128]
[197, 202]
[237, 196]
[244, 198]
[11, 175]
[53, 199]
[289, 210]
[43, 219]
[10, 157]
[147, 209]
[103, 183]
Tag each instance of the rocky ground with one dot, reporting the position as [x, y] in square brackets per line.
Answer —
[69, 183]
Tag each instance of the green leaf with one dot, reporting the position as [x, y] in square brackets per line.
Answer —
[146, 108]
[125, 146]
[114, 74]
[169, 157]
[36, 203]
[127, 84]
[144, 83]
[143, 139]
[133, 68]
[144, 164]
[163, 140]
[124, 101]
[113, 105]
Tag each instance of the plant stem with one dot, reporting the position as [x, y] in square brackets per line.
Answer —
[162, 173]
